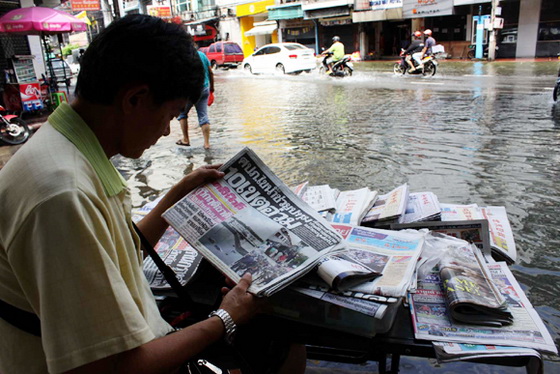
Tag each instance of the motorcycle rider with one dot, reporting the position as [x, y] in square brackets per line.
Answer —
[428, 44]
[337, 50]
[414, 50]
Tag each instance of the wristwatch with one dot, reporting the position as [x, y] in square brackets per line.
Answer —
[228, 324]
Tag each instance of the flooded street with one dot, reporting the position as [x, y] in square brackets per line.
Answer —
[474, 133]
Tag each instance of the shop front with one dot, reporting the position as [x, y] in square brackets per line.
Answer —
[256, 30]
[334, 19]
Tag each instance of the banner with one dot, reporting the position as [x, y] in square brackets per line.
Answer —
[78, 5]
[159, 11]
[427, 8]
[385, 4]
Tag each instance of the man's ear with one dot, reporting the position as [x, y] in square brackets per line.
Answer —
[135, 97]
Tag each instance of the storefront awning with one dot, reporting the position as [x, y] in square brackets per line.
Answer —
[262, 28]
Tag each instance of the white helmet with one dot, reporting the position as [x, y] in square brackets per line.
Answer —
[428, 32]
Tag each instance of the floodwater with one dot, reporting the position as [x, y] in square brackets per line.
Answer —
[485, 133]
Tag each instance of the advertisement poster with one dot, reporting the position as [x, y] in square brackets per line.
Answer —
[427, 8]
[78, 5]
[30, 94]
[159, 11]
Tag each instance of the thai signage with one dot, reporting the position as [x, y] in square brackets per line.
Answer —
[159, 11]
[427, 8]
[78, 5]
[385, 4]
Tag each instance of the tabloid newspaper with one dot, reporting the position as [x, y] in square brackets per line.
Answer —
[501, 234]
[431, 320]
[421, 206]
[249, 221]
[351, 206]
[470, 293]
[173, 250]
[395, 252]
[389, 206]
[450, 352]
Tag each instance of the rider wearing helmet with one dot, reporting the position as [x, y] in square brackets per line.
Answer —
[428, 43]
[337, 50]
[415, 50]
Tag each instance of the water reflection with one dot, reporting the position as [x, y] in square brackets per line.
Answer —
[474, 133]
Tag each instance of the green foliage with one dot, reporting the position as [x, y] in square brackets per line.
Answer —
[67, 49]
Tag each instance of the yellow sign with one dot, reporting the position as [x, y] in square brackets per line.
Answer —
[253, 8]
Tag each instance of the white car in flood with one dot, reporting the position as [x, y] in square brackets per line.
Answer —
[284, 58]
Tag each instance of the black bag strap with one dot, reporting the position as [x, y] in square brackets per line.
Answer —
[167, 272]
[23, 320]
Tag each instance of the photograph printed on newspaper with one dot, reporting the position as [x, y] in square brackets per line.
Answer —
[250, 221]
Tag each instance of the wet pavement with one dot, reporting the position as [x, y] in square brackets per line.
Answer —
[486, 133]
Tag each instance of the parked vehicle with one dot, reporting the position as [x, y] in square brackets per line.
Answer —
[472, 51]
[13, 130]
[402, 67]
[341, 68]
[62, 71]
[282, 58]
[224, 54]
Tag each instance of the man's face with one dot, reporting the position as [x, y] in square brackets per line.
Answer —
[147, 124]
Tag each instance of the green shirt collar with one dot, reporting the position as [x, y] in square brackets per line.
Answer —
[69, 123]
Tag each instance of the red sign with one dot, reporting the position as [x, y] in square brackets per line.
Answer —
[79, 5]
[159, 11]
[30, 94]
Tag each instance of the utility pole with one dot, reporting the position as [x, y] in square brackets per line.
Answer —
[116, 10]
[492, 30]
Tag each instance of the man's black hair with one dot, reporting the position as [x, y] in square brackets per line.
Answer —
[140, 49]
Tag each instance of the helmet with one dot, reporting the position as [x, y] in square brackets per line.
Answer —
[417, 34]
[335, 39]
[428, 32]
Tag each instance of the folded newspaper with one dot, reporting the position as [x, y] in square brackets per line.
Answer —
[471, 294]
[250, 221]
[388, 207]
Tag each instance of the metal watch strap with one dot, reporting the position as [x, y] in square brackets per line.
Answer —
[228, 323]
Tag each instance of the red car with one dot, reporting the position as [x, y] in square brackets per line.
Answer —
[224, 54]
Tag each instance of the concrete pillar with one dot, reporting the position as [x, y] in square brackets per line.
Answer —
[363, 37]
[417, 24]
[528, 29]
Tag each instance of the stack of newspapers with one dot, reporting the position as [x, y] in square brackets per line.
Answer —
[356, 249]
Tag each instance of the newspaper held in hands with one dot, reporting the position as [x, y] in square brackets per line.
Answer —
[471, 294]
[250, 221]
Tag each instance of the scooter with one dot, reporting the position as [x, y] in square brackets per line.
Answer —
[430, 63]
[342, 68]
[13, 130]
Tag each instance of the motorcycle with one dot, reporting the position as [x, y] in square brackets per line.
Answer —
[556, 91]
[402, 67]
[13, 130]
[341, 68]
[472, 51]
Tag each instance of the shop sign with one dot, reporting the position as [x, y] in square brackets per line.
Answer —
[159, 11]
[469, 2]
[427, 8]
[385, 4]
[253, 8]
[336, 21]
[79, 5]
[130, 4]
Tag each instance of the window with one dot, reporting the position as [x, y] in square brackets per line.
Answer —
[219, 48]
[232, 48]
[292, 47]
[212, 49]
[262, 51]
[182, 5]
[272, 50]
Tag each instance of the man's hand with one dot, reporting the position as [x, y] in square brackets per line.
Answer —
[240, 304]
[202, 175]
